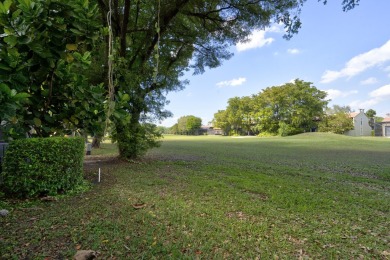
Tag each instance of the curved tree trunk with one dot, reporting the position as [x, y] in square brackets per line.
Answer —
[97, 139]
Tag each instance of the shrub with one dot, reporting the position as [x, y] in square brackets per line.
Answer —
[42, 166]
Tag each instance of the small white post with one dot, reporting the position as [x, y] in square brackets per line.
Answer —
[99, 176]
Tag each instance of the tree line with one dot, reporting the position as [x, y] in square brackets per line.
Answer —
[289, 109]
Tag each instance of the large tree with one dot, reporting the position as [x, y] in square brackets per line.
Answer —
[156, 41]
[285, 110]
[290, 108]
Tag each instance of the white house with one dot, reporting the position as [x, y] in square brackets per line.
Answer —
[360, 123]
[384, 127]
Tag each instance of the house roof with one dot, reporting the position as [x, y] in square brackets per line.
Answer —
[386, 120]
[353, 114]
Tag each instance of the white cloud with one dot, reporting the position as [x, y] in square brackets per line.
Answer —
[293, 51]
[276, 28]
[359, 63]
[381, 92]
[258, 38]
[369, 81]
[377, 96]
[335, 93]
[387, 69]
[358, 104]
[231, 83]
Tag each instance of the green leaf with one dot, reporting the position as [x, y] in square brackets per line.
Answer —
[5, 89]
[22, 95]
[4, 7]
[86, 3]
[77, 56]
[71, 47]
[37, 122]
[4, 67]
[125, 98]
[11, 40]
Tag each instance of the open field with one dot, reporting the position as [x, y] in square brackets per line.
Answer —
[316, 196]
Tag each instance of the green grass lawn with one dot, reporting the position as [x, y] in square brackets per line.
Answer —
[316, 196]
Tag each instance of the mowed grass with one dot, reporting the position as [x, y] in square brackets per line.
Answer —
[317, 196]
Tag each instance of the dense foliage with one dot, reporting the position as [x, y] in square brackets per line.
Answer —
[44, 50]
[279, 110]
[42, 166]
[337, 120]
[187, 125]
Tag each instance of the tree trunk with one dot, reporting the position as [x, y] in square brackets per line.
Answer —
[97, 139]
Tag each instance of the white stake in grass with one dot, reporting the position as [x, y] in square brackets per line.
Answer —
[99, 176]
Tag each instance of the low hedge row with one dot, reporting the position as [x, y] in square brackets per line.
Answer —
[42, 166]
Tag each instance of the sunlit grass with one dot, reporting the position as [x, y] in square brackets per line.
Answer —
[106, 148]
[318, 196]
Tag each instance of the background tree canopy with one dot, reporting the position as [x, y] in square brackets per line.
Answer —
[288, 109]
[48, 83]
[187, 125]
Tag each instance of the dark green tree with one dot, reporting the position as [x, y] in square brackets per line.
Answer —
[371, 115]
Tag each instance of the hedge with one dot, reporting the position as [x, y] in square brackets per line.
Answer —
[42, 166]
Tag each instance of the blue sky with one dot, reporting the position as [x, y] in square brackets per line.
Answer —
[346, 54]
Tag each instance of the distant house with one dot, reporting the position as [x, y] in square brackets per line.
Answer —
[210, 130]
[383, 128]
[360, 123]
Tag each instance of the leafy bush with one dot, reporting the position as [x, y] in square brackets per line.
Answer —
[287, 129]
[42, 166]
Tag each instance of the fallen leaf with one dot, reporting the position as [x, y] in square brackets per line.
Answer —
[78, 247]
[139, 205]
[49, 199]
[385, 253]
[85, 255]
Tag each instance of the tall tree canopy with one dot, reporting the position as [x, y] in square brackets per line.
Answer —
[189, 125]
[156, 41]
[288, 109]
